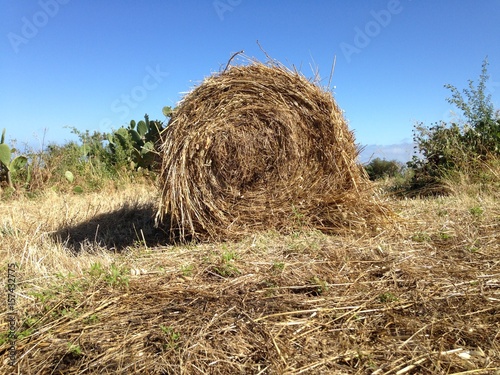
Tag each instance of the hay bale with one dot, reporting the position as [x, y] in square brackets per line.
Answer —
[260, 147]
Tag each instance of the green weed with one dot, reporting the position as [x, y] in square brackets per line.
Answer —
[187, 270]
[321, 285]
[173, 337]
[387, 297]
[117, 277]
[421, 237]
[114, 276]
[278, 266]
[91, 319]
[76, 350]
[444, 236]
[476, 211]
[225, 266]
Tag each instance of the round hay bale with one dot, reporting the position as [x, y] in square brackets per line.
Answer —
[260, 147]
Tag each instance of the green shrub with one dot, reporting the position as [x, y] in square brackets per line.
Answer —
[462, 147]
[381, 168]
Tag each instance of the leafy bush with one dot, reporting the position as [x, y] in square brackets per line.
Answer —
[440, 148]
[444, 149]
[381, 168]
[58, 160]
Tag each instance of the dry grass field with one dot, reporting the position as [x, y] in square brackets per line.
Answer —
[98, 290]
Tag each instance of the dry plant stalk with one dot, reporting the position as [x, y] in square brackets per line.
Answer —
[258, 147]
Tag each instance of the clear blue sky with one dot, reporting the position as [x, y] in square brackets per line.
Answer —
[98, 64]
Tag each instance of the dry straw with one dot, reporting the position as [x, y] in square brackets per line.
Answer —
[259, 146]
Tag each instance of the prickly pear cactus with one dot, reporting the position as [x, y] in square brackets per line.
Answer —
[7, 164]
[5, 155]
[138, 142]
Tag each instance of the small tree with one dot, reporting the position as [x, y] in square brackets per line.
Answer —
[450, 147]
[478, 106]
[481, 131]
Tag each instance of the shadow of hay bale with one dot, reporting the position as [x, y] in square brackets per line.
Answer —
[261, 147]
[128, 226]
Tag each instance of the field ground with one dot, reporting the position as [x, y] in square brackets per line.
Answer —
[96, 293]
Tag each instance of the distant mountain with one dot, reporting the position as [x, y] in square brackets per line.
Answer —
[401, 152]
